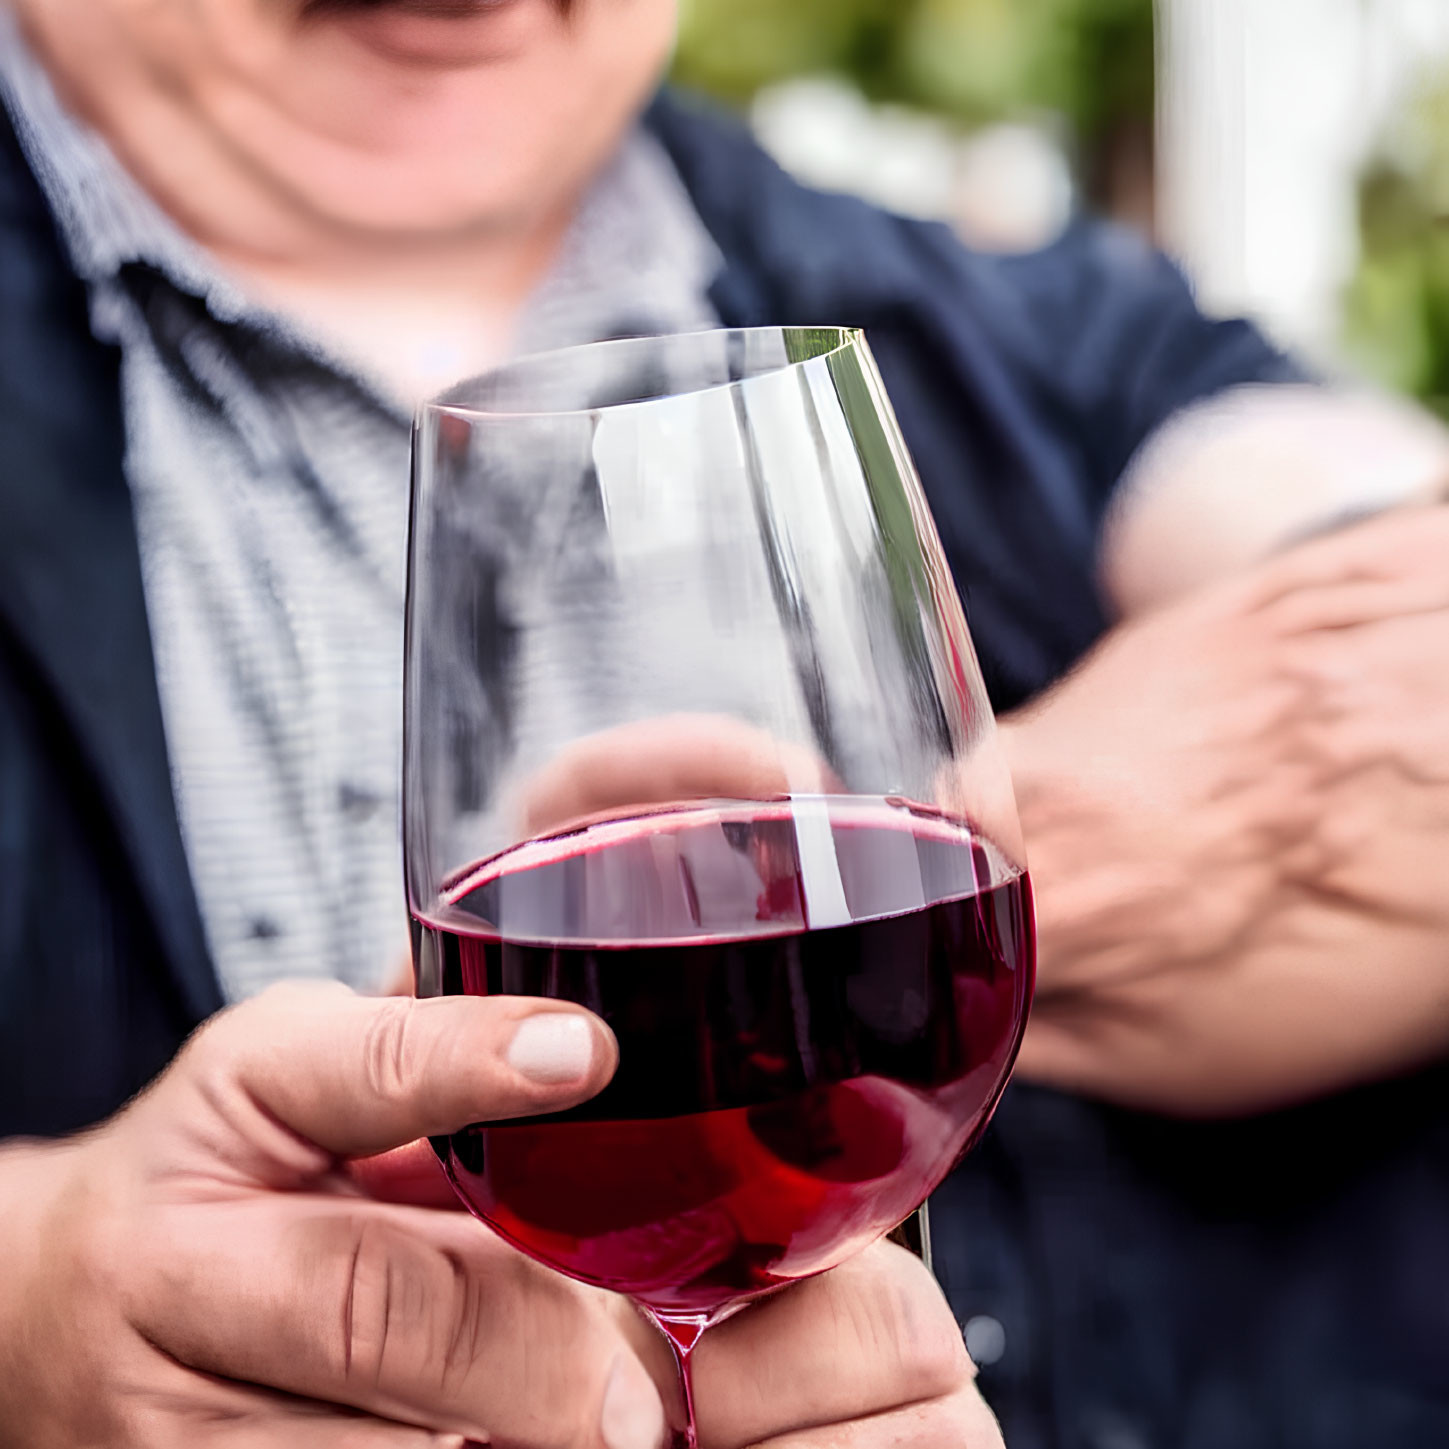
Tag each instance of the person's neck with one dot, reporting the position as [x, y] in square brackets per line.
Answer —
[417, 316]
[415, 308]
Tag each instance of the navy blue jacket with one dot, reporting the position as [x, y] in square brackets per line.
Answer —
[1279, 1282]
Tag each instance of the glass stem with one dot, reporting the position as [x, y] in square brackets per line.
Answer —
[683, 1333]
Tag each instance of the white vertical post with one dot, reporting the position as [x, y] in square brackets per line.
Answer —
[1202, 142]
[1260, 133]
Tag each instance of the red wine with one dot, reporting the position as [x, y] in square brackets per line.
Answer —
[817, 1004]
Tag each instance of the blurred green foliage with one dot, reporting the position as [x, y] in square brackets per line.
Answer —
[1090, 61]
[1396, 315]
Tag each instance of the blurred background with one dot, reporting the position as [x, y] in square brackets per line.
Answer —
[1292, 154]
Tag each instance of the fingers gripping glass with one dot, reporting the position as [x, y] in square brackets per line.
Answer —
[696, 738]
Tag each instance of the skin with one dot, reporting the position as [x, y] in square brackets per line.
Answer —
[214, 1266]
[1227, 485]
[1235, 807]
[1237, 813]
[210, 1268]
[394, 176]
[320, 152]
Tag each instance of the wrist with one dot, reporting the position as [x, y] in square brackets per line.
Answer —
[1112, 878]
[34, 1179]
[1049, 802]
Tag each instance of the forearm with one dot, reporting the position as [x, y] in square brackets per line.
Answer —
[1231, 481]
[1236, 812]
[32, 1177]
[28, 1170]
[1164, 988]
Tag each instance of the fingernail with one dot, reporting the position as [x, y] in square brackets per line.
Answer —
[633, 1415]
[553, 1048]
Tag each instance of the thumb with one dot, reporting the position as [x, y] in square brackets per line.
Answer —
[354, 1075]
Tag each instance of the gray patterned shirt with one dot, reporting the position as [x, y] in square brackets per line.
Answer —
[269, 481]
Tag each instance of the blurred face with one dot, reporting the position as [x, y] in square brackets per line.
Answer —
[394, 117]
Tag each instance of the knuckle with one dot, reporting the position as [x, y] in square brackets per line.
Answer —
[201, 1084]
[962, 1420]
[564, 1345]
[215, 1041]
[938, 1357]
[377, 1301]
[441, 1320]
[464, 1323]
[907, 1321]
[388, 1050]
[234, 1029]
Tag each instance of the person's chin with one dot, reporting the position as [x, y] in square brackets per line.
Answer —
[438, 32]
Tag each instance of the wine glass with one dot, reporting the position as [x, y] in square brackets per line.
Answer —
[695, 737]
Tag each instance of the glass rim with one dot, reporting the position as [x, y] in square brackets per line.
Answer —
[845, 338]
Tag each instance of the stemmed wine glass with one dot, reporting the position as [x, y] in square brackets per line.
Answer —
[695, 737]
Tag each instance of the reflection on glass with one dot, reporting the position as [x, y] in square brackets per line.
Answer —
[696, 737]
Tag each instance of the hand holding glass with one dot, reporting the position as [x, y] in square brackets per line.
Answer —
[696, 738]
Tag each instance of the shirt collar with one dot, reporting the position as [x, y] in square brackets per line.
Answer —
[637, 259]
[105, 218]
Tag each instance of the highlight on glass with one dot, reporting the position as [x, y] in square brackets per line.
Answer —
[695, 737]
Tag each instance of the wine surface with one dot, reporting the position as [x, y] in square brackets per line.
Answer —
[817, 1003]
